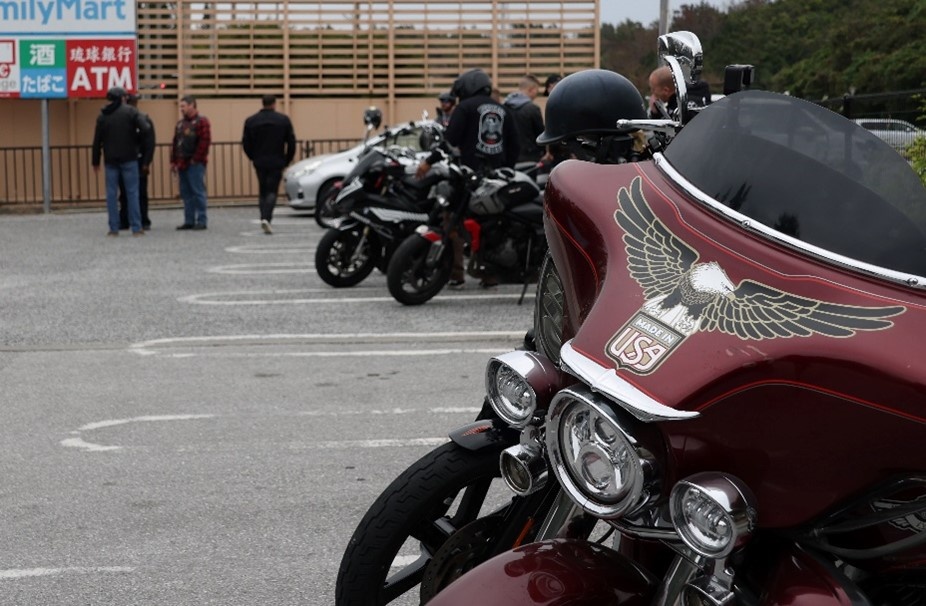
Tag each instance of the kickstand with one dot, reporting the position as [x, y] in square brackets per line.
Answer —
[523, 292]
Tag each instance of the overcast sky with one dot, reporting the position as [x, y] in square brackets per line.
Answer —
[644, 11]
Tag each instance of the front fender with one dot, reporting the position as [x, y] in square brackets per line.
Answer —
[552, 573]
[484, 434]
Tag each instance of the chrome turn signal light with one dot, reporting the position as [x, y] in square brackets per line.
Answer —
[520, 382]
[713, 513]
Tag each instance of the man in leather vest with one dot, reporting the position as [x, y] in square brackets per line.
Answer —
[188, 157]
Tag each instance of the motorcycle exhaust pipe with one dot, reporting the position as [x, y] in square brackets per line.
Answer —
[524, 469]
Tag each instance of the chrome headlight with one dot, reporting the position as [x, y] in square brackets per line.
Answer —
[518, 382]
[595, 458]
[549, 310]
[713, 513]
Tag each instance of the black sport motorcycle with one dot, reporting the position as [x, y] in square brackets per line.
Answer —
[499, 218]
[379, 204]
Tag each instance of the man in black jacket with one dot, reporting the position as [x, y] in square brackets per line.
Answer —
[480, 127]
[145, 157]
[270, 142]
[527, 117]
[119, 132]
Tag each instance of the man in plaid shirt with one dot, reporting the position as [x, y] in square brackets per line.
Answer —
[188, 157]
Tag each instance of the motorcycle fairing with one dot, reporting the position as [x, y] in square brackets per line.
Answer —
[684, 295]
[765, 408]
[835, 314]
[558, 572]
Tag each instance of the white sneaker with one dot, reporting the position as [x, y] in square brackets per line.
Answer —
[265, 225]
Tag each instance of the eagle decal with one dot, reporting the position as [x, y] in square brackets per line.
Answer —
[683, 296]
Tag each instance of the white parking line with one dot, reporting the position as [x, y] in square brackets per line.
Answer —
[385, 443]
[156, 346]
[271, 249]
[264, 268]
[277, 299]
[25, 573]
[80, 443]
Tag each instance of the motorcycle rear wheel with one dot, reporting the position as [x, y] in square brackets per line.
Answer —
[414, 506]
[411, 280]
[344, 257]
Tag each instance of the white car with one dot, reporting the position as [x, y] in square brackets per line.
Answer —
[309, 181]
[896, 133]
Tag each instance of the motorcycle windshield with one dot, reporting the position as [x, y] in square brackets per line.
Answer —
[369, 158]
[808, 173]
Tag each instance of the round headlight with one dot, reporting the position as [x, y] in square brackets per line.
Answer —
[596, 461]
[549, 310]
[713, 513]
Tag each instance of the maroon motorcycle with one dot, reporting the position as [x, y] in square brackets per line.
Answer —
[727, 392]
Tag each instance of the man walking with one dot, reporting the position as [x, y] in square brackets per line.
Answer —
[118, 134]
[188, 157]
[270, 144]
[527, 118]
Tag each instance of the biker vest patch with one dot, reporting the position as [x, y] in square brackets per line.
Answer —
[491, 119]
[683, 296]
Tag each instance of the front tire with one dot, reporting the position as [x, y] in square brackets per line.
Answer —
[411, 278]
[326, 214]
[345, 257]
[416, 506]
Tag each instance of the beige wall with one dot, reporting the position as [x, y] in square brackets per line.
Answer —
[72, 121]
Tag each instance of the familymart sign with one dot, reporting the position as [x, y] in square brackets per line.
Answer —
[55, 49]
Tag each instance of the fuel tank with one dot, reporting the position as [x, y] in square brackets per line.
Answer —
[804, 374]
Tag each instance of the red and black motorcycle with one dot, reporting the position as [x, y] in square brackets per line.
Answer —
[727, 390]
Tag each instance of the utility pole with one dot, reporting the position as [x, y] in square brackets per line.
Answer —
[663, 17]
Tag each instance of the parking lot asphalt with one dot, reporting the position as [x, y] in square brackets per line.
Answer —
[195, 418]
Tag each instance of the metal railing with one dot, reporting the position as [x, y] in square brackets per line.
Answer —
[229, 175]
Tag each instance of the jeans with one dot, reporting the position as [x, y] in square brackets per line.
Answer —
[128, 171]
[193, 193]
[142, 201]
[268, 182]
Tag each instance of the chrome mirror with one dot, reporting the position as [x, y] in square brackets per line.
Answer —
[686, 48]
[681, 52]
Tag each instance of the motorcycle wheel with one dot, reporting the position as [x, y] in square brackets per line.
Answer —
[411, 280]
[325, 213]
[416, 506]
[344, 257]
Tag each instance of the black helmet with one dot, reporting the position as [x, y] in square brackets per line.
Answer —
[550, 83]
[590, 102]
[446, 98]
[116, 93]
[471, 83]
